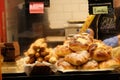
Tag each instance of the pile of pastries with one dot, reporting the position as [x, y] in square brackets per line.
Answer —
[78, 52]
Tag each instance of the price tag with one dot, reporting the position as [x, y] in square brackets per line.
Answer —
[100, 10]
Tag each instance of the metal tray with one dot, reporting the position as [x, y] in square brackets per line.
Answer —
[87, 71]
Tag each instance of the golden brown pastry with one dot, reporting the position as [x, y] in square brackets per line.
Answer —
[52, 57]
[30, 60]
[39, 59]
[62, 50]
[111, 63]
[80, 42]
[99, 51]
[61, 64]
[38, 44]
[92, 64]
[77, 58]
[77, 46]
[37, 55]
[46, 52]
[30, 52]
[116, 52]
[100, 54]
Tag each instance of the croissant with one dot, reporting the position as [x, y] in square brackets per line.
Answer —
[77, 58]
[80, 42]
[100, 54]
[64, 65]
[99, 51]
[111, 63]
[62, 50]
[92, 64]
[116, 52]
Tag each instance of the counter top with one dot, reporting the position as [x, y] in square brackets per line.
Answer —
[11, 67]
[11, 71]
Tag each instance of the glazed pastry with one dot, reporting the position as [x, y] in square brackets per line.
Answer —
[30, 60]
[80, 42]
[92, 64]
[62, 50]
[39, 59]
[61, 64]
[100, 54]
[99, 51]
[77, 58]
[77, 46]
[30, 52]
[111, 63]
[116, 52]
[52, 57]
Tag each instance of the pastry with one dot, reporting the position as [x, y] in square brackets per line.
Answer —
[100, 54]
[111, 63]
[61, 64]
[80, 42]
[77, 58]
[92, 64]
[62, 50]
[99, 51]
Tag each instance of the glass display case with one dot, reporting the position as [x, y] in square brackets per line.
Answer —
[25, 28]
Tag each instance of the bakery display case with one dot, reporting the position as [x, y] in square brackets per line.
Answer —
[55, 54]
[79, 57]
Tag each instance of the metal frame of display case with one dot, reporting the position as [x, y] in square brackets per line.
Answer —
[69, 76]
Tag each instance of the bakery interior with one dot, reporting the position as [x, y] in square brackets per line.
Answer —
[45, 39]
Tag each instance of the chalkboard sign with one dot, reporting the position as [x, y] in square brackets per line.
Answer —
[99, 1]
[100, 6]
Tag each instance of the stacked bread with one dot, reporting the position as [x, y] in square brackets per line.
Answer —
[79, 52]
[36, 62]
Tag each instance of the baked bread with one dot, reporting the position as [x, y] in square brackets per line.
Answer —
[77, 58]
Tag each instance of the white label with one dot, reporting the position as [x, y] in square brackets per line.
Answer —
[100, 10]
